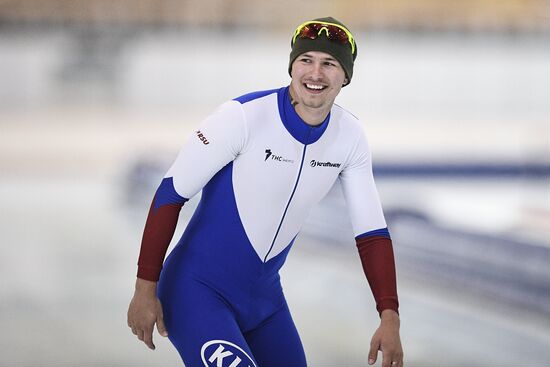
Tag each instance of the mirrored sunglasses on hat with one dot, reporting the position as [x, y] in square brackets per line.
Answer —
[334, 32]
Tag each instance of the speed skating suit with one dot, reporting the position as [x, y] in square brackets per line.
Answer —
[261, 169]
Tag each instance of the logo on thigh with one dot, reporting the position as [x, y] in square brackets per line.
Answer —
[221, 353]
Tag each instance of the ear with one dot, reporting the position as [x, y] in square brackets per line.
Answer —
[345, 82]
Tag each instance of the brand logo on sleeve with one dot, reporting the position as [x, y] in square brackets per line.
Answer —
[202, 137]
[274, 157]
[221, 353]
[315, 163]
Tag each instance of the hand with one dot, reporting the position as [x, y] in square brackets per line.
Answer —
[386, 339]
[144, 311]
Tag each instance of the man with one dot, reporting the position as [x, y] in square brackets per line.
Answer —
[262, 161]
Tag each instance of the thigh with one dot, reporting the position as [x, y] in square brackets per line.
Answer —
[276, 342]
[202, 327]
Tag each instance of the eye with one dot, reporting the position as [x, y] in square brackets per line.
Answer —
[305, 60]
[329, 63]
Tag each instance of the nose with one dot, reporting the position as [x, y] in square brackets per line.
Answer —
[316, 71]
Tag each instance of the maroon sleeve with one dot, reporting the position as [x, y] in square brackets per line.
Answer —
[159, 230]
[376, 253]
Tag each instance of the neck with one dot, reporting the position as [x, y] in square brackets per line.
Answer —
[311, 116]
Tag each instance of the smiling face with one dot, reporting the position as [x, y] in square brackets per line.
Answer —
[317, 78]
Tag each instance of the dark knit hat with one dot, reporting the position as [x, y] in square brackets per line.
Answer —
[341, 52]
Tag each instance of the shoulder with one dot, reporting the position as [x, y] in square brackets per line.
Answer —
[259, 107]
[255, 96]
[345, 117]
[352, 136]
[347, 122]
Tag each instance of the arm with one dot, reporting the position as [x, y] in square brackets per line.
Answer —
[375, 250]
[218, 141]
[145, 309]
[377, 258]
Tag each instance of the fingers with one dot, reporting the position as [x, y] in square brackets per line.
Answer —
[398, 360]
[392, 359]
[161, 327]
[142, 318]
[393, 364]
[145, 335]
[387, 360]
[148, 338]
[373, 352]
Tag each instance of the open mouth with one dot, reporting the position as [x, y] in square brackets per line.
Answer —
[315, 87]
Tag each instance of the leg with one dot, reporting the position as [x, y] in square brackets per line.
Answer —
[201, 325]
[276, 342]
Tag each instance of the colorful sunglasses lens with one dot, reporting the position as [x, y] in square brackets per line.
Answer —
[313, 30]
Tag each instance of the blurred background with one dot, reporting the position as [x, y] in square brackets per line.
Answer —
[97, 97]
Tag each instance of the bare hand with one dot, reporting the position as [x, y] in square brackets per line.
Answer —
[144, 311]
[386, 339]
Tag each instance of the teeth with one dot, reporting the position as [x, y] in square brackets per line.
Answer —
[314, 86]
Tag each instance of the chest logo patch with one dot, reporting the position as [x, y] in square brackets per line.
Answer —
[274, 157]
[315, 163]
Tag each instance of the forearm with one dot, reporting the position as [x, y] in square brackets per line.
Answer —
[376, 253]
[159, 229]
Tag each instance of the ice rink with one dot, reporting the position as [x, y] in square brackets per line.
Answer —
[68, 255]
